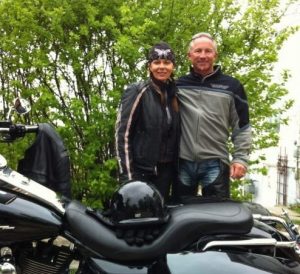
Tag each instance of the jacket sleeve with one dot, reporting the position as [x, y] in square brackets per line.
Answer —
[126, 119]
[241, 129]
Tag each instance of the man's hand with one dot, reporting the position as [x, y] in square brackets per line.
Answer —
[237, 171]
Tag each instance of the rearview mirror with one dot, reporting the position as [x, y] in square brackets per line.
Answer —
[21, 106]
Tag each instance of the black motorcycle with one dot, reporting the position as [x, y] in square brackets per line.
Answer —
[198, 237]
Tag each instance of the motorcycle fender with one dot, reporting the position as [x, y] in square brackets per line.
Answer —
[215, 262]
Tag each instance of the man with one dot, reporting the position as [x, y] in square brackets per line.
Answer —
[212, 106]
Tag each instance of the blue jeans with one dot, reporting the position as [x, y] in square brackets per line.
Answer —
[212, 175]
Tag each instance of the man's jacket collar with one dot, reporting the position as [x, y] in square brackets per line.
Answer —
[217, 70]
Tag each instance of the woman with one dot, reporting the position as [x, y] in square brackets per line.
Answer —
[147, 128]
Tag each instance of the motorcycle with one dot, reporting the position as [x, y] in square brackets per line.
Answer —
[198, 237]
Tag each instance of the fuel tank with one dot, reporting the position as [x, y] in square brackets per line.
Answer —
[23, 220]
[209, 262]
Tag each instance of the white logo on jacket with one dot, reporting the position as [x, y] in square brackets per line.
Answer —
[219, 86]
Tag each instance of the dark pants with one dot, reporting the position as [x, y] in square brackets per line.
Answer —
[165, 178]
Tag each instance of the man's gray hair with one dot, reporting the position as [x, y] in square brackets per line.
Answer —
[203, 34]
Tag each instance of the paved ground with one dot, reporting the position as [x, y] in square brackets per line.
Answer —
[277, 210]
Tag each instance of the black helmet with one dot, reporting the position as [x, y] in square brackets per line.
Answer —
[137, 203]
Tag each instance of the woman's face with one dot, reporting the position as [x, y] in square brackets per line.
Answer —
[161, 69]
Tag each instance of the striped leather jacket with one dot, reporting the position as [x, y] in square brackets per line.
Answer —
[143, 134]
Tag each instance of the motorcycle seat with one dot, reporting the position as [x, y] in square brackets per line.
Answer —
[187, 224]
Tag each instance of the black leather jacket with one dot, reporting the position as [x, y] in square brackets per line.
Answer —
[145, 134]
[47, 162]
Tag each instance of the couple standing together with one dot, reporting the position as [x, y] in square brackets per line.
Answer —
[175, 134]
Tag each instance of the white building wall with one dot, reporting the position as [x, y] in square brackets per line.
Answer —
[266, 186]
[265, 190]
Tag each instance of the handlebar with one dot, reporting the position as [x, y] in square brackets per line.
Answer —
[14, 131]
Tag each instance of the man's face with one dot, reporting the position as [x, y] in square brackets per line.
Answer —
[202, 55]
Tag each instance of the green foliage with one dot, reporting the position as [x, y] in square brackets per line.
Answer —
[295, 207]
[238, 190]
[71, 59]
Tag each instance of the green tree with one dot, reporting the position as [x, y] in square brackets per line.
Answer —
[72, 58]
